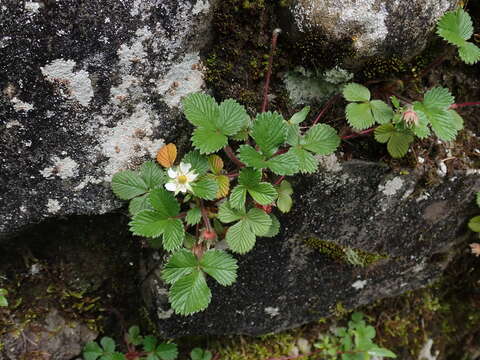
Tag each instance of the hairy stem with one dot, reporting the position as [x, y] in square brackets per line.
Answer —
[354, 135]
[279, 180]
[231, 155]
[266, 87]
[206, 220]
[472, 103]
[327, 106]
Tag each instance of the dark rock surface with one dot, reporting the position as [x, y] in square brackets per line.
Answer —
[373, 27]
[284, 282]
[88, 88]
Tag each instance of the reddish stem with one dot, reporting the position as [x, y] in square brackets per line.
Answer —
[327, 106]
[181, 215]
[266, 87]
[473, 103]
[231, 155]
[354, 135]
[279, 180]
[206, 220]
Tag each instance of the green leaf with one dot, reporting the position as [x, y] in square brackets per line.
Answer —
[92, 351]
[139, 203]
[258, 221]
[421, 130]
[181, 263]
[269, 132]
[227, 214]
[205, 187]
[274, 228]
[382, 113]
[200, 354]
[208, 141]
[148, 223]
[164, 203]
[3, 300]
[238, 196]
[359, 116]
[321, 139]
[128, 184]
[249, 177]
[469, 53]
[306, 161]
[166, 351]
[384, 132]
[477, 197]
[300, 116]
[190, 294]
[356, 92]
[134, 336]
[456, 119]
[284, 164]
[293, 134]
[251, 157]
[240, 238]
[201, 110]
[198, 161]
[152, 174]
[455, 27]
[232, 117]
[108, 344]
[381, 352]
[150, 343]
[438, 97]
[443, 125]
[173, 234]
[263, 193]
[399, 143]
[474, 224]
[395, 101]
[220, 265]
[194, 216]
[284, 202]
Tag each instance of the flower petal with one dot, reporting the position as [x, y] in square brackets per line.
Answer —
[170, 186]
[172, 173]
[182, 188]
[191, 176]
[184, 167]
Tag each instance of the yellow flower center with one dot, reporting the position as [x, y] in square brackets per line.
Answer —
[182, 179]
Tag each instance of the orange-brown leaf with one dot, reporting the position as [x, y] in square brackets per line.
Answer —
[223, 185]
[216, 163]
[166, 155]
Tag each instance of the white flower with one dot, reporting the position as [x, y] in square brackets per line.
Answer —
[180, 178]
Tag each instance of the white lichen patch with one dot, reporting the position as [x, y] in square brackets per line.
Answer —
[63, 168]
[53, 206]
[182, 79]
[329, 162]
[391, 187]
[20, 105]
[200, 6]
[272, 311]
[129, 141]
[359, 284]
[136, 52]
[72, 84]
[32, 6]
[426, 351]
[13, 123]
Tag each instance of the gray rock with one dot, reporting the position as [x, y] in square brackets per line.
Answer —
[88, 88]
[52, 338]
[284, 282]
[373, 27]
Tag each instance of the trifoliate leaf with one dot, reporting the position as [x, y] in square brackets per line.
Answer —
[251, 157]
[455, 27]
[238, 196]
[359, 116]
[269, 132]
[148, 223]
[173, 234]
[356, 92]
[474, 224]
[198, 161]
[205, 187]
[190, 294]
[167, 155]
[438, 97]
[258, 221]
[152, 174]
[240, 238]
[181, 263]
[384, 132]
[200, 354]
[194, 215]
[128, 184]
[216, 164]
[92, 351]
[274, 228]
[201, 110]
[134, 336]
[307, 163]
[284, 201]
[220, 265]
[138, 204]
[232, 117]
[382, 113]
[227, 214]
[284, 164]
[321, 139]
[263, 193]
[165, 352]
[300, 116]
[469, 53]
[208, 141]
[223, 182]
[399, 143]
[164, 203]
[108, 344]
[249, 177]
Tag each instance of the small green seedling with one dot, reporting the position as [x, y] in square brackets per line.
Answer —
[200, 354]
[3, 297]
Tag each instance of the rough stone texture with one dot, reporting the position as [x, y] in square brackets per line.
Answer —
[52, 338]
[88, 88]
[375, 27]
[284, 283]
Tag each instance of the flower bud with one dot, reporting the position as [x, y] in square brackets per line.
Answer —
[209, 235]
[410, 117]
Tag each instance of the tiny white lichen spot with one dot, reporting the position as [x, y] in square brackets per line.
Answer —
[53, 206]
[359, 284]
[391, 187]
[272, 311]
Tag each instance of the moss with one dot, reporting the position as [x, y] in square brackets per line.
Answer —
[344, 254]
